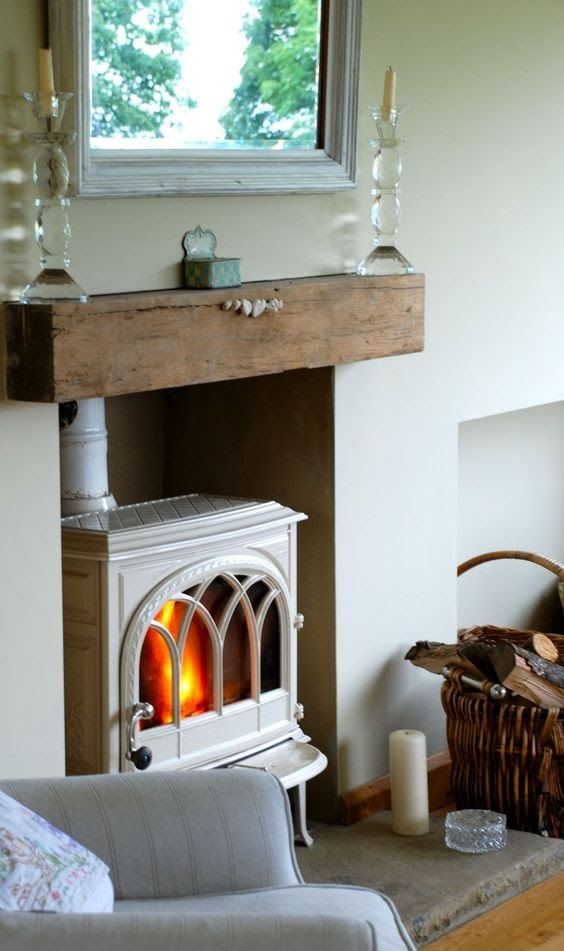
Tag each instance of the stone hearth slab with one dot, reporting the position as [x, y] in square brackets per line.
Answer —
[434, 888]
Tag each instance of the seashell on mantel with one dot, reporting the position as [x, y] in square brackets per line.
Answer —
[253, 308]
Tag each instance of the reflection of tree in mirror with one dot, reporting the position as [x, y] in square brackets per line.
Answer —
[277, 95]
[136, 66]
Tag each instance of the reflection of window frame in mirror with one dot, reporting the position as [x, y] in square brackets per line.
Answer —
[214, 172]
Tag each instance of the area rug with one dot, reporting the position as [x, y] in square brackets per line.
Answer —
[434, 888]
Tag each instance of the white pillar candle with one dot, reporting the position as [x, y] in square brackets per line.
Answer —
[409, 784]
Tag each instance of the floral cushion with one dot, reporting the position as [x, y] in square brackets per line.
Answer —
[43, 869]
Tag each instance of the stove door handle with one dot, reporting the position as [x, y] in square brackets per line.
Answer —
[142, 756]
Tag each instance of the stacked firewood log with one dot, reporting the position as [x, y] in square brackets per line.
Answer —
[528, 664]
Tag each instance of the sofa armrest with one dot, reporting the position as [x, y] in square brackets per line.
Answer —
[145, 932]
[172, 834]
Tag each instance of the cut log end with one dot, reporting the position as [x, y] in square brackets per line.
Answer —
[542, 645]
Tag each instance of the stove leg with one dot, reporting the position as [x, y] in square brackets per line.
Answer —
[298, 800]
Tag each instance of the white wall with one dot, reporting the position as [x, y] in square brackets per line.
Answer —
[511, 473]
[31, 739]
[482, 213]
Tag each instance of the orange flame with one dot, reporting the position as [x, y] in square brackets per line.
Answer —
[156, 667]
[195, 675]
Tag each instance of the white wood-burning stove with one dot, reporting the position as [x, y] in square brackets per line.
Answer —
[180, 637]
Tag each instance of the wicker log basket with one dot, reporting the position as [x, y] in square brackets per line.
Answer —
[507, 755]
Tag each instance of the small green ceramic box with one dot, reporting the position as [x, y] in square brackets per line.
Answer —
[213, 272]
[202, 268]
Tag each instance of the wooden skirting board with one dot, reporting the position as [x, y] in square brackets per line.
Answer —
[374, 796]
[133, 343]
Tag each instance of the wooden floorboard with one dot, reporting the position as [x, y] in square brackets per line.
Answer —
[532, 920]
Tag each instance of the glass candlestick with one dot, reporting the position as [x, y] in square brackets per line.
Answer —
[51, 176]
[386, 170]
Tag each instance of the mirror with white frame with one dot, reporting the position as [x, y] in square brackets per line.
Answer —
[210, 97]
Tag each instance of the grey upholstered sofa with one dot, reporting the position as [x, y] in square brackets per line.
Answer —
[200, 859]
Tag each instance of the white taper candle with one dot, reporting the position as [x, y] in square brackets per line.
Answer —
[46, 82]
[389, 97]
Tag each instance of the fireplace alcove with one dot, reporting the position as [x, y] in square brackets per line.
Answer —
[260, 424]
[265, 437]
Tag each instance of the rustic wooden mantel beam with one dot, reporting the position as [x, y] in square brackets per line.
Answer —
[132, 343]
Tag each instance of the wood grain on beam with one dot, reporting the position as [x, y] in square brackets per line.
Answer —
[131, 343]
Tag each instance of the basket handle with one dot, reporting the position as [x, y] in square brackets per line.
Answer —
[548, 563]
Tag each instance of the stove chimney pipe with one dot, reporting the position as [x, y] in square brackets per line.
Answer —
[83, 456]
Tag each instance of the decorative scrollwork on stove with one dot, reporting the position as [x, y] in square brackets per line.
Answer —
[189, 576]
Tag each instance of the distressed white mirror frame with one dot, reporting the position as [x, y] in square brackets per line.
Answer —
[106, 173]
